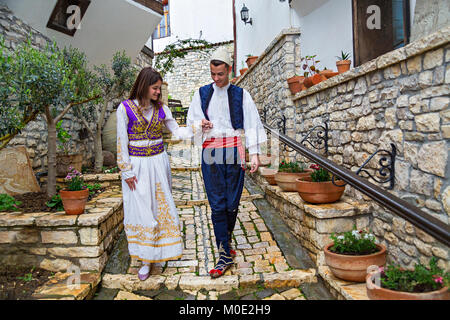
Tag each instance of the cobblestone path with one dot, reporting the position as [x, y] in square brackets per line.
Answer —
[261, 270]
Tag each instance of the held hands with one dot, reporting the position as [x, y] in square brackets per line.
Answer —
[254, 163]
[206, 125]
[131, 182]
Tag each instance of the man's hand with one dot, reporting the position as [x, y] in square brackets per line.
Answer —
[254, 163]
[206, 125]
[131, 182]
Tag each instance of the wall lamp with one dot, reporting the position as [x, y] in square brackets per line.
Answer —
[244, 15]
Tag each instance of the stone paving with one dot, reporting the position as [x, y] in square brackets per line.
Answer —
[260, 270]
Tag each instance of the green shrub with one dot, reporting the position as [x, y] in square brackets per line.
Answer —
[8, 203]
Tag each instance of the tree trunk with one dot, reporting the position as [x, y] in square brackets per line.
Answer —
[51, 140]
[98, 151]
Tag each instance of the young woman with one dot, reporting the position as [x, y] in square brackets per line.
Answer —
[150, 215]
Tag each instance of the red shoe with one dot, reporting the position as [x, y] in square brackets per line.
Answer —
[223, 265]
[232, 253]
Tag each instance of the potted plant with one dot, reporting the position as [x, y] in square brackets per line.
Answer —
[318, 187]
[327, 73]
[76, 193]
[269, 174]
[343, 63]
[65, 160]
[296, 83]
[244, 69]
[288, 173]
[352, 253]
[395, 283]
[312, 76]
[251, 60]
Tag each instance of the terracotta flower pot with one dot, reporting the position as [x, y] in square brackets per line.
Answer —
[269, 175]
[251, 60]
[353, 268]
[63, 162]
[343, 65]
[287, 180]
[375, 292]
[74, 202]
[313, 80]
[319, 192]
[328, 73]
[295, 84]
[242, 71]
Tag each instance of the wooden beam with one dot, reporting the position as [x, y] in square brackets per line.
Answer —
[152, 5]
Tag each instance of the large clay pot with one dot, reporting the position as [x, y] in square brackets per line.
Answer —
[74, 202]
[287, 180]
[343, 65]
[375, 292]
[242, 71]
[269, 175]
[319, 192]
[353, 268]
[295, 84]
[251, 60]
[328, 73]
[64, 161]
[109, 134]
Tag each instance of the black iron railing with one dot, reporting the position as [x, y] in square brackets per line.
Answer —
[431, 225]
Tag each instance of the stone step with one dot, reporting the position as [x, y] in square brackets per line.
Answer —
[341, 289]
[131, 283]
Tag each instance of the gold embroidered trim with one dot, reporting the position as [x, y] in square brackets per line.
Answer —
[153, 245]
[166, 228]
[144, 129]
[156, 261]
[120, 163]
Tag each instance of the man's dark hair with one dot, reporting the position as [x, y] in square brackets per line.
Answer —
[217, 63]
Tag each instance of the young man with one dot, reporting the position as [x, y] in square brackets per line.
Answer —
[218, 115]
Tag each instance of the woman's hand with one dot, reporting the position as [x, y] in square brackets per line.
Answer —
[131, 183]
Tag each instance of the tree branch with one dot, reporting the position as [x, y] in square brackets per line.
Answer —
[72, 104]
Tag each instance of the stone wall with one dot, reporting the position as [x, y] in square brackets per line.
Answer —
[56, 241]
[34, 136]
[190, 73]
[401, 97]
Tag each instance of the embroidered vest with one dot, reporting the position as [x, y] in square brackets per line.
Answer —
[139, 128]
[235, 100]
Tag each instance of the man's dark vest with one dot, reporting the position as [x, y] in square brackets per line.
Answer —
[235, 100]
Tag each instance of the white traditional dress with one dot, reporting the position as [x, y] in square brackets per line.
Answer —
[150, 216]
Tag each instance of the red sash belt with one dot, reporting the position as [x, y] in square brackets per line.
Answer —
[227, 142]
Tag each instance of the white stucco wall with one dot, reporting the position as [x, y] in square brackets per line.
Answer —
[269, 18]
[107, 27]
[213, 18]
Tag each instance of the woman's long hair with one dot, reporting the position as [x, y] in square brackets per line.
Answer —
[147, 77]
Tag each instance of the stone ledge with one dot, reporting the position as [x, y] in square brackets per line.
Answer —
[59, 287]
[417, 47]
[128, 282]
[345, 289]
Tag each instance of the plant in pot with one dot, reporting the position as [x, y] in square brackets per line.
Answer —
[288, 173]
[251, 60]
[351, 254]
[64, 160]
[318, 187]
[343, 63]
[422, 283]
[312, 76]
[296, 84]
[76, 193]
[327, 73]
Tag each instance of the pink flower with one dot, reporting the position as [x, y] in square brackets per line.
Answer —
[314, 166]
[381, 269]
[438, 279]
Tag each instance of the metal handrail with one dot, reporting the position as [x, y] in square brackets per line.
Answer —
[431, 225]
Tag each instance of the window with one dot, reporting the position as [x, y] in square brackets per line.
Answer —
[65, 17]
[163, 29]
[381, 29]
